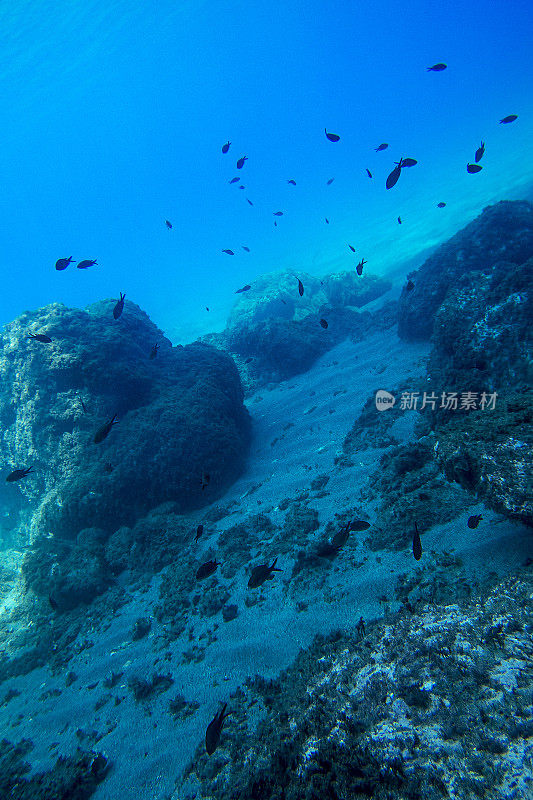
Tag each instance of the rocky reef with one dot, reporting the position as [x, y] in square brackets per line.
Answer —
[503, 232]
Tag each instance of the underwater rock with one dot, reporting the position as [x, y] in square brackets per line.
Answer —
[503, 231]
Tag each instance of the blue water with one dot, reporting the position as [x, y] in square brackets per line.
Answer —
[114, 114]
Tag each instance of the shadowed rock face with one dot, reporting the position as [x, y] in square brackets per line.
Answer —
[180, 415]
[503, 232]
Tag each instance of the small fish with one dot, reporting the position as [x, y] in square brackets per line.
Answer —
[234, 180]
[409, 286]
[242, 187]
[351, 248]
[417, 544]
[441, 205]
[240, 162]
[472, 168]
[245, 248]
[248, 360]
[262, 573]
[278, 213]
[225, 147]
[102, 432]
[40, 337]
[206, 477]
[437, 68]
[382, 146]
[293, 183]
[409, 162]
[359, 525]
[479, 152]
[244, 289]
[207, 569]
[53, 605]
[340, 539]
[359, 267]
[153, 351]
[509, 118]
[332, 136]
[399, 220]
[62, 263]
[168, 224]
[300, 287]
[368, 173]
[199, 531]
[327, 220]
[324, 323]
[249, 202]
[474, 521]
[17, 474]
[392, 178]
[328, 183]
[229, 252]
[87, 263]
[83, 406]
[119, 308]
[275, 224]
[214, 729]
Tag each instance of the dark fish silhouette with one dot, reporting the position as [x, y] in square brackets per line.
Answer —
[153, 351]
[102, 432]
[351, 248]
[399, 220]
[262, 573]
[409, 162]
[234, 180]
[206, 477]
[278, 213]
[479, 152]
[207, 569]
[293, 183]
[240, 162]
[368, 173]
[300, 288]
[382, 146]
[437, 68]
[245, 248]
[409, 286]
[119, 308]
[332, 136]
[242, 187]
[249, 201]
[62, 263]
[40, 337]
[87, 263]
[225, 147]
[324, 323]
[359, 525]
[17, 474]
[359, 267]
[244, 289]
[474, 521]
[509, 118]
[229, 252]
[328, 183]
[441, 205]
[275, 224]
[199, 531]
[392, 178]
[53, 605]
[472, 168]
[168, 224]
[248, 360]
[327, 220]
[214, 729]
[417, 544]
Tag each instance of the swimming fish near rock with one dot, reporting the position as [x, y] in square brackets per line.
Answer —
[225, 147]
[409, 286]
[206, 477]
[62, 263]
[509, 118]
[332, 136]
[103, 432]
[479, 152]
[40, 337]
[380, 147]
[437, 68]
[18, 474]
[358, 525]
[153, 351]
[393, 176]
[119, 308]
[240, 162]
[214, 729]
[473, 168]
[199, 531]
[300, 288]
[262, 573]
[207, 569]
[86, 263]
[244, 289]
[359, 267]
[229, 252]
[474, 521]
[417, 544]
[324, 323]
